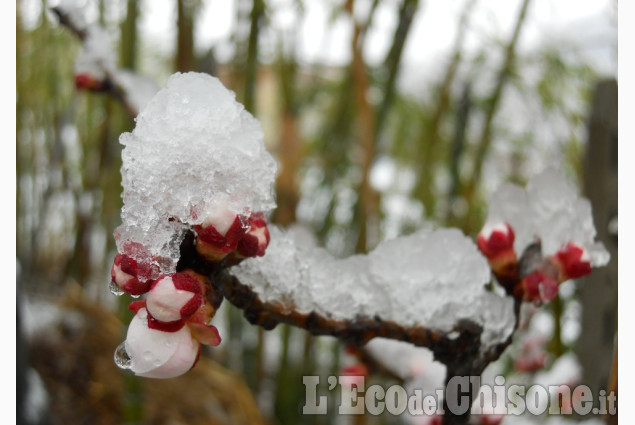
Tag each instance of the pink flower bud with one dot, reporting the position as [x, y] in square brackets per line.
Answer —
[197, 323]
[125, 273]
[573, 261]
[539, 287]
[157, 354]
[496, 242]
[256, 240]
[174, 298]
[219, 234]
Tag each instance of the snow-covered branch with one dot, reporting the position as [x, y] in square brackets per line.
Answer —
[197, 193]
[96, 67]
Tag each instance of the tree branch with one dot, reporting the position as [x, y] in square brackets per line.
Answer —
[115, 82]
[447, 347]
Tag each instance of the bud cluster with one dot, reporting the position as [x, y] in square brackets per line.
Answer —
[172, 320]
[536, 282]
[175, 311]
[225, 233]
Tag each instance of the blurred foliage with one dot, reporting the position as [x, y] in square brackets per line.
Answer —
[434, 143]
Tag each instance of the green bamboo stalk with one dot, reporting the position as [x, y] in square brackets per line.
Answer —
[284, 407]
[458, 147]
[128, 51]
[184, 60]
[251, 71]
[393, 58]
[287, 191]
[430, 137]
[485, 140]
[367, 207]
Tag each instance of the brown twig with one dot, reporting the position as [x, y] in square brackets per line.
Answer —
[463, 355]
[358, 331]
[368, 203]
[67, 21]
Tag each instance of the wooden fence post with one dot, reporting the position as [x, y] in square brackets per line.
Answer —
[598, 292]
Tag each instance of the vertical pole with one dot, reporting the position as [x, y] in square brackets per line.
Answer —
[598, 291]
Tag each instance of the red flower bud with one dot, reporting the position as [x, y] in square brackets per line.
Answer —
[573, 261]
[496, 240]
[539, 287]
[256, 240]
[174, 298]
[125, 272]
[88, 82]
[218, 236]
[497, 244]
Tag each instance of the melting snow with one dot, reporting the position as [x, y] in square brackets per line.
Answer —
[549, 209]
[429, 278]
[194, 147]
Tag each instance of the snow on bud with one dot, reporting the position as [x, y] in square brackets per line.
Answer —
[129, 276]
[174, 298]
[496, 242]
[539, 287]
[573, 261]
[219, 233]
[256, 240]
[157, 354]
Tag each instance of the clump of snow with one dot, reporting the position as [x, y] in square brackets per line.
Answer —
[194, 148]
[75, 10]
[549, 210]
[429, 278]
[97, 57]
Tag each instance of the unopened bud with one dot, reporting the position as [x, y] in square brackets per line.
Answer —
[573, 261]
[125, 272]
[255, 241]
[539, 287]
[496, 242]
[174, 298]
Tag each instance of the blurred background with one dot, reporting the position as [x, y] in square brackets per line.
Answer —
[385, 116]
